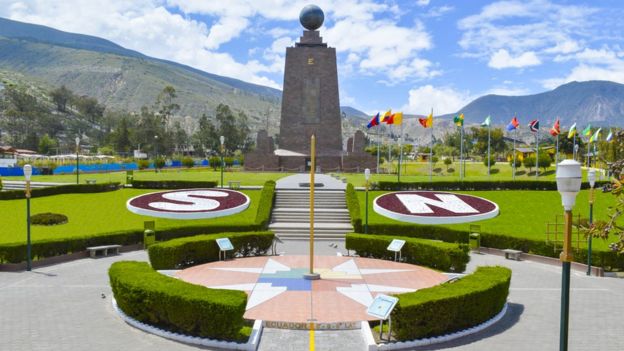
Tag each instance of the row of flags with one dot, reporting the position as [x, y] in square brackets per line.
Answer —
[387, 118]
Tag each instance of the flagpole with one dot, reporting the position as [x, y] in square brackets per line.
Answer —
[400, 152]
[574, 146]
[378, 147]
[536, 154]
[431, 151]
[461, 152]
[557, 154]
[513, 176]
[489, 158]
[390, 149]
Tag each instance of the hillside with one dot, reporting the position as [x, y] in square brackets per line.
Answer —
[600, 103]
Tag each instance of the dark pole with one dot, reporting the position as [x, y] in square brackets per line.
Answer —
[566, 258]
[589, 237]
[366, 211]
[77, 166]
[222, 140]
[28, 248]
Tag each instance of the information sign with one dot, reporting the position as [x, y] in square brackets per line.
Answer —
[382, 306]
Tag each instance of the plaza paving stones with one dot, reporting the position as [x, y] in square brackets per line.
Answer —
[60, 308]
[279, 293]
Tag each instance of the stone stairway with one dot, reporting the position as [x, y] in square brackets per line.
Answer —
[291, 215]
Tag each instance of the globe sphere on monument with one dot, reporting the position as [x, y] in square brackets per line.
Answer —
[311, 17]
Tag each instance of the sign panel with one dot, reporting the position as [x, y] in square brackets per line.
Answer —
[396, 245]
[225, 244]
[189, 203]
[434, 207]
[382, 306]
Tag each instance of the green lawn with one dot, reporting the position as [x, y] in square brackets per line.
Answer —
[96, 213]
[522, 213]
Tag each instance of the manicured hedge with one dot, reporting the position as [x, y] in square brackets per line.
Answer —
[177, 306]
[451, 307]
[172, 184]
[353, 204]
[178, 253]
[477, 185]
[434, 254]
[265, 205]
[48, 219]
[58, 190]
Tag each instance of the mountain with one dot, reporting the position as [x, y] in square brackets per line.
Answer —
[122, 78]
[600, 103]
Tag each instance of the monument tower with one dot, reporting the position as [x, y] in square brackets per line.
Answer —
[310, 106]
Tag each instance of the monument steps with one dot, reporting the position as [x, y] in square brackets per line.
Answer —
[291, 215]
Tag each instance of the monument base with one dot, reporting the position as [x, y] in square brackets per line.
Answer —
[311, 276]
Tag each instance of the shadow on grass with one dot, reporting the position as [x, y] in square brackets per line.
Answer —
[514, 311]
[548, 172]
[494, 170]
[519, 173]
[437, 170]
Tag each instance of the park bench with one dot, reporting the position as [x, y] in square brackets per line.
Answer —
[234, 185]
[90, 181]
[105, 250]
[511, 254]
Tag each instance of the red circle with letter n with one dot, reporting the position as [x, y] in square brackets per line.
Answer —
[189, 203]
[434, 207]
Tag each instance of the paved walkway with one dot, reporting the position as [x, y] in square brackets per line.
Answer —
[295, 181]
[61, 308]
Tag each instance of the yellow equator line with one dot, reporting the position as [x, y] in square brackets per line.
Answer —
[311, 336]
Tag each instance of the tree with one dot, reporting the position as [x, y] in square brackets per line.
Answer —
[46, 145]
[166, 105]
[492, 161]
[518, 162]
[529, 162]
[188, 162]
[544, 161]
[448, 162]
[497, 143]
[206, 135]
[61, 96]
[121, 137]
[90, 108]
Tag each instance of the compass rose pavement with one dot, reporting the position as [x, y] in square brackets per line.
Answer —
[277, 291]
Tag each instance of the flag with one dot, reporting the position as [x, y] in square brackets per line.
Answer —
[534, 126]
[373, 122]
[487, 122]
[572, 131]
[594, 138]
[459, 120]
[587, 131]
[427, 122]
[513, 125]
[555, 130]
[398, 118]
[385, 116]
[390, 120]
[609, 136]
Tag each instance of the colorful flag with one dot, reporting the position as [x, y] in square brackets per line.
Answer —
[513, 124]
[572, 131]
[385, 116]
[373, 122]
[555, 130]
[609, 136]
[487, 122]
[534, 126]
[427, 122]
[587, 131]
[595, 137]
[459, 120]
[397, 118]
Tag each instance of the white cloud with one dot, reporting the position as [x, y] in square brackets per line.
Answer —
[443, 100]
[502, 59]
[439, 11]
[422, 2]
[603, 64]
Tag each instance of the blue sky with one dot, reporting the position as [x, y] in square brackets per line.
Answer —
[405, 55]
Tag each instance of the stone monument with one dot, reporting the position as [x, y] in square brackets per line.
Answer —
[310, 104]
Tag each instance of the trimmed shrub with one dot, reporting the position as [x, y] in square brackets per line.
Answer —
[492, 161]
[353, 204]
[143, 164]
[58, 190]
[434, 254]
[451, 307]
[477, 185]
[172, 304]
[172, 184]
[48, 219]
[159, 163]
[265, 205]
[188, 162]
[178, 253]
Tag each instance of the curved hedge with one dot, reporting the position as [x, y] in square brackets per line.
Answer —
[451, 307]
[477, 185]
[199, 249]
[172, 184]
[265, 205]
[434, 254]
[353, 204]
[172, 304]
[58, 190]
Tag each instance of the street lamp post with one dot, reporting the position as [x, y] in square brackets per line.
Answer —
[367, 177]
[77, 160]
[222, 140]
[27, 174]
[155, 153]
[568, 184]
[591, 177]
[400, 156]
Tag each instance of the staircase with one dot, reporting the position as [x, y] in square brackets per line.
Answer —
[291, 215]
